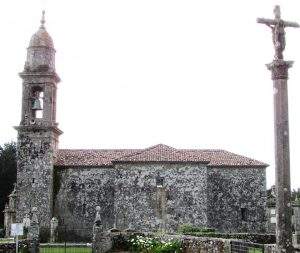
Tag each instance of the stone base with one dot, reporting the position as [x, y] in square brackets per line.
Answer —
[102, 242]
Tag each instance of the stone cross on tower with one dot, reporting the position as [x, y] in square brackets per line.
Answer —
[279, 69]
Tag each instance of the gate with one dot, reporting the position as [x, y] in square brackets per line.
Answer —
[70, 240]
[246, 247]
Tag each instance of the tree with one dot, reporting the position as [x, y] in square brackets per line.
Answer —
[8, 173]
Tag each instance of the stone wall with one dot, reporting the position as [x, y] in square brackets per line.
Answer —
[192, 244]
[138, 188]
[237, 199]
[35, 172]
[145, 197]
[77, 191]
[162, 196]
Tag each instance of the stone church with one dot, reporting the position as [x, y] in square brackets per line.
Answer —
[146, 189]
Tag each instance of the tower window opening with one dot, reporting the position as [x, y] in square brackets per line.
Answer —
[244, 214]
[37, 103]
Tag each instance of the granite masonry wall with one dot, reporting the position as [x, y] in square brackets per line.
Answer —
[237, 199]
[35, 173]
[162, 196]
[145, 197]
[155, 196]
[77, 191]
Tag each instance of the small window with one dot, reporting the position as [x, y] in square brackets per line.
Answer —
[244, 214]
[83, 209]
[159, 181]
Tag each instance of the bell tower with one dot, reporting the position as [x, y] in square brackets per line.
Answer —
[38, 131]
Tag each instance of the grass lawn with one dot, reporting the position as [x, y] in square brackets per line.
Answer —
[254, 250]
[5, 240]
[68, 250]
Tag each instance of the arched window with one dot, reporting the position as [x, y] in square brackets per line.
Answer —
[37, 105]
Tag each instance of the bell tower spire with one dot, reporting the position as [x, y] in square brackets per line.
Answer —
[43, 21]
[38, 130]
[39, 80]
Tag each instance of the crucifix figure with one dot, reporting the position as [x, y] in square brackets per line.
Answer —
[277, 25]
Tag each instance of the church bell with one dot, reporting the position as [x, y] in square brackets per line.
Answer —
[36, 105]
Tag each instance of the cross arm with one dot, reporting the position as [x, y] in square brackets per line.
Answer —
[269, 22]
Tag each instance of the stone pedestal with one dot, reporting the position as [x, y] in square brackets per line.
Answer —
[10, 212]
[102, 241]
[34, 232]
[53, 229]
[279, 69]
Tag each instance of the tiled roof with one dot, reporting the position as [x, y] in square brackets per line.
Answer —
[158, 153]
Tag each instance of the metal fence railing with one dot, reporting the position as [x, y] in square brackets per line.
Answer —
[65, 248]
[68, 240]
[246, 247]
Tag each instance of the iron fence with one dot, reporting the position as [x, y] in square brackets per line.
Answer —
[246, 247]
[68, 240]
[65, 248]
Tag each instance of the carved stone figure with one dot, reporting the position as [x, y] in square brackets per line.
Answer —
[277, 25]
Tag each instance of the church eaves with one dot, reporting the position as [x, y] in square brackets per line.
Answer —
[157, 153]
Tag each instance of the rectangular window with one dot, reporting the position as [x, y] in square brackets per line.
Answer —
[244, 214]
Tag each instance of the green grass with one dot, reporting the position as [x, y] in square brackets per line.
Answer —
[5, 240]
[254, 250]
[68, 250]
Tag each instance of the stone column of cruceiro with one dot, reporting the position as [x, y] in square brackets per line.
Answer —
[279, 69]
[297, 223]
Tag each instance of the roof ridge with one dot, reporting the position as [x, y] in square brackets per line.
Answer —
[143, 151]
[98, 149]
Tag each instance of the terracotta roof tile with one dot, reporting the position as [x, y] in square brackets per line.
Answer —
[90, 157]
[157, 153]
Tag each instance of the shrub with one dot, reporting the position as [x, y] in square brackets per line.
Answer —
[154, 245]
[2, 232]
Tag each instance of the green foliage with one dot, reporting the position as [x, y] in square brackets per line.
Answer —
[154, 245]
[295, 195]
[187, 228]
[67, 250]
[255, 250]
[8, 173]
[1, 233]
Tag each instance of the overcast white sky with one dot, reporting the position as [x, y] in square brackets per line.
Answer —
[189, 73]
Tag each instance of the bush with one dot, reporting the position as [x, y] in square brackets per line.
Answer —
[186, 228]
[154, 245]
[2, 232]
